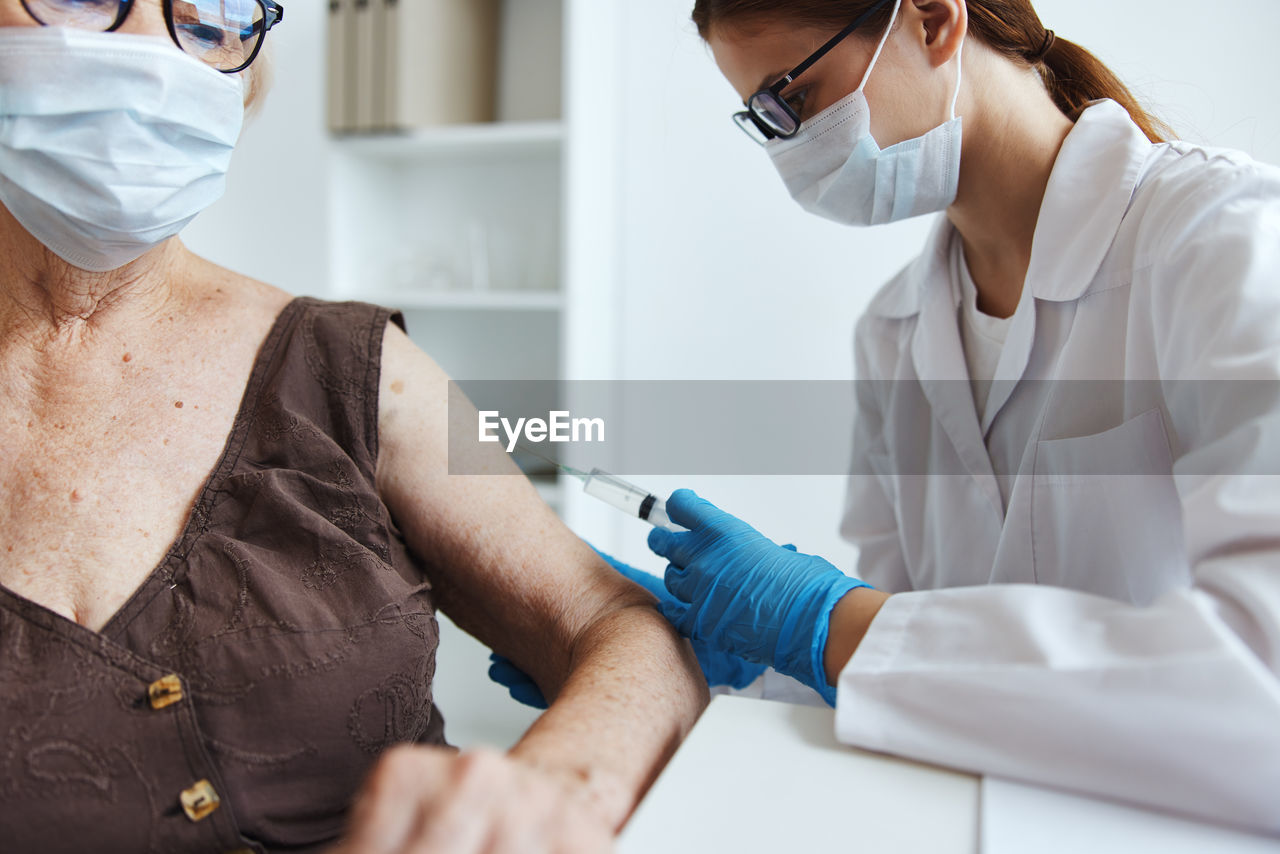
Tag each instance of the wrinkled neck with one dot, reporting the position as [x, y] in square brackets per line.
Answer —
[44, 298]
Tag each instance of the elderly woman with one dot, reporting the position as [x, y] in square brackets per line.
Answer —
[226, 516]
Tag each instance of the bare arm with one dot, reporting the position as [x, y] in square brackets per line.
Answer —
[625, 688]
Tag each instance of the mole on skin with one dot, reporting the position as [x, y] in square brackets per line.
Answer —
[398, 386]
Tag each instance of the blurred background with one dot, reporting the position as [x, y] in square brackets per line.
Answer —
[553, 189]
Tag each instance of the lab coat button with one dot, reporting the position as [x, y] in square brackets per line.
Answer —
[200, 801]
[165, 692]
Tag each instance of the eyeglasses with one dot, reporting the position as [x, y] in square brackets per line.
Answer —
[768, 115]
[224, 34]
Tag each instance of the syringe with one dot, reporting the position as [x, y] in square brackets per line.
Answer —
[616, 492]
[627, 497]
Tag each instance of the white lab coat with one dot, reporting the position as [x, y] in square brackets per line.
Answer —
[1116, 629]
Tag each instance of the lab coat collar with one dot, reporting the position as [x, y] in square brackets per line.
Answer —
[1089, 192]
[1090, 188]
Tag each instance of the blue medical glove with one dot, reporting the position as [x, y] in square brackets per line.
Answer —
[739, 592]
[516, 681]
[719, 668]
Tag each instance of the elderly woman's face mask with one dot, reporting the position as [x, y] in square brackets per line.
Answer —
[110, 143]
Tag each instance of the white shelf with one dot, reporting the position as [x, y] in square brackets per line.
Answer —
[505, 138]
[468, 300]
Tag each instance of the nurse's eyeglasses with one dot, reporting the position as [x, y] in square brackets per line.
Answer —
[768, 115]
[224, 34]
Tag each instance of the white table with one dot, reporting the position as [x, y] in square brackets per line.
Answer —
[757, 776]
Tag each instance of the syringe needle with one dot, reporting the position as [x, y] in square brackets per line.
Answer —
[615, 491]
[569, 470]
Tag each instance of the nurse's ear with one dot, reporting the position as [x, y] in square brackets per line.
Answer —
[937, 27]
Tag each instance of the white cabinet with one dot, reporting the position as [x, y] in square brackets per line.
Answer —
[461, 228]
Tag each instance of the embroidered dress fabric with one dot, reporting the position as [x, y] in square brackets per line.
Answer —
[301, 629]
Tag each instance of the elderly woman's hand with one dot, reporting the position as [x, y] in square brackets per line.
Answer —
[435, 801]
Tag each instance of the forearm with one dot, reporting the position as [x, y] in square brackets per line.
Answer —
[625, 688]
[633, 692]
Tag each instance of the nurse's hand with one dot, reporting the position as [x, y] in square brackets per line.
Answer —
[719, 667]
[431, 800]
[740, 592]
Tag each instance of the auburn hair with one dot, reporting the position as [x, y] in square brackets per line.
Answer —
[1072, 75]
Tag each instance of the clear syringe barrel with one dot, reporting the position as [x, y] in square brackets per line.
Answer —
[629, 498]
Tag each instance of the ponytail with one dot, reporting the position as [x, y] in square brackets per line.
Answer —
[1072, 75]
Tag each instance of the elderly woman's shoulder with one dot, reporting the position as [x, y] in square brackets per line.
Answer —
[219, 293]
[217, 289]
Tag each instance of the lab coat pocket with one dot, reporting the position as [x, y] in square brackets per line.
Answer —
[1105, 513]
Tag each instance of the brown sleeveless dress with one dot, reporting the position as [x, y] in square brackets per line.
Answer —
[239, 697]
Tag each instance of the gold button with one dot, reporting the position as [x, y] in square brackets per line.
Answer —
[200, 801]
[165, 692]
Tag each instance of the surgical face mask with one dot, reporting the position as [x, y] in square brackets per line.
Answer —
[834, 168]
[110, 143]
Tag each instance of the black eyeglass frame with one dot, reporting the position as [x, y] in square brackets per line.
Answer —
[272, 14]
[752, 116]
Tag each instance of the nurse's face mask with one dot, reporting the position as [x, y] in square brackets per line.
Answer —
[110, 143]
[834, 168]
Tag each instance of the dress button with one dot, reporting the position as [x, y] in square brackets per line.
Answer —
[165, 692]
[200, 801]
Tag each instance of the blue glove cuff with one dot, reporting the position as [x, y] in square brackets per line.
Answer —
[823, 631]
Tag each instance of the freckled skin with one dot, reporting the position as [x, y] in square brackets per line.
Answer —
[98, 459]
[107, 431]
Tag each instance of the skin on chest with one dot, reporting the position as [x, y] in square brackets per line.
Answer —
[98, 484]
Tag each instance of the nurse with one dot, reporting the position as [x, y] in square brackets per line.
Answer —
[1064, 487]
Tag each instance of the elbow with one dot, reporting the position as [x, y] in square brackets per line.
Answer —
[635, 637]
